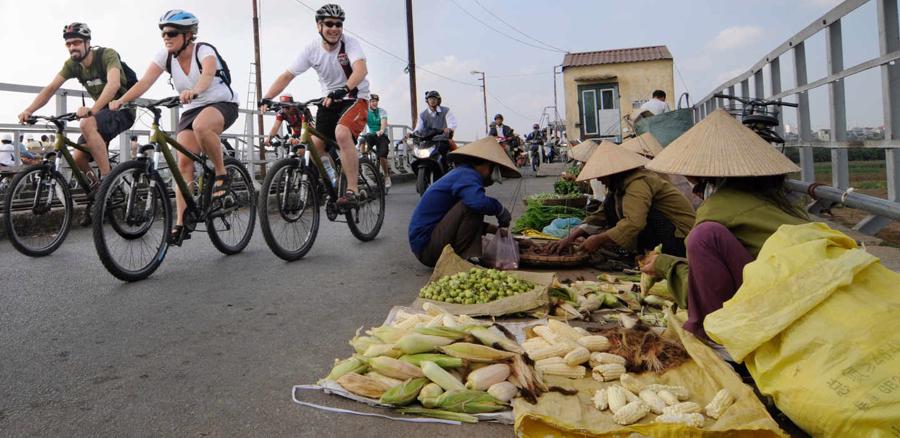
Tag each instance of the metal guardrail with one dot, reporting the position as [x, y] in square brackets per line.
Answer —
[881, 211]
[246, 144]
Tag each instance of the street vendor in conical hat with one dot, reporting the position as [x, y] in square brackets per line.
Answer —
[647, 146]
[642, 209]
[452, 210]
[741, 178]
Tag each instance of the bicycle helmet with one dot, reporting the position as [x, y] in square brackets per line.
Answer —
[374, 97]
[77, 30]
[330, 10]
[286, 97]
[182, 20]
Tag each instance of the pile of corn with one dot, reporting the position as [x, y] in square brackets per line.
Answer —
[631, 401]
[451, 366]
[475, 286]
[610, 292]
[562, 350]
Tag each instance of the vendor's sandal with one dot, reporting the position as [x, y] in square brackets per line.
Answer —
[178, 235]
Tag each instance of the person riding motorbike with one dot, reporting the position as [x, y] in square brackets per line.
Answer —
[535, 140]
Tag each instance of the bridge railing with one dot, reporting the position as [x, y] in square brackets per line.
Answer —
[881, 211]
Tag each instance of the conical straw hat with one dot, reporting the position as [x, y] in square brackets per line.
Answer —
[583, 151]
[720, 146]
[609, 159]
[488, 149]
[645, 144]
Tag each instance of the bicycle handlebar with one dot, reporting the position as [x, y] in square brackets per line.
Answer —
[275, 106]
[67, 117]
[168, 102]
[755, 101]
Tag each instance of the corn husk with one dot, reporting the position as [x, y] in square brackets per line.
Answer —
[414, 343]
[376, 350]
[483, 378]
[350, 365]
[492, 337]
[503, 391]
[362, 343]
[429, 394]
[476, 352]
[389, 382]
[404, 393]
[387, 334]
[362, 385]
[438, 413]
[441, 377]
[469, 402]
[442, 360]
[394, 368]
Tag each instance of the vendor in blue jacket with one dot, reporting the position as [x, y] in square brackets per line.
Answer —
[452, 210]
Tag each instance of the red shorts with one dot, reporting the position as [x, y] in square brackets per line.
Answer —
[349, 113]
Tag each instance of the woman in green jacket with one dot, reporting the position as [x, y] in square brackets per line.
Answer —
[741, 178]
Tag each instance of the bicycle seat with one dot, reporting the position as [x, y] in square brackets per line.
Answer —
[760, 119]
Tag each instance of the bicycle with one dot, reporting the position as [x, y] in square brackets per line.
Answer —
[290, 197]
[755, 115]
[136, 194]
[38, 206]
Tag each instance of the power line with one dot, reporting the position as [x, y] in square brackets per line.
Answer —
[502, 33]
[517, 30]
[385, 51]
[511, 109]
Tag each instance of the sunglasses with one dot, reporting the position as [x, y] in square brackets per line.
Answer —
[330, 24]
[171, 34]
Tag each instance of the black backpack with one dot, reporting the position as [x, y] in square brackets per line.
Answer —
[224, 73]
[130, 76]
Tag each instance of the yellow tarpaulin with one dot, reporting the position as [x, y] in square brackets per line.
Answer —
[817, 322]
[557, 415]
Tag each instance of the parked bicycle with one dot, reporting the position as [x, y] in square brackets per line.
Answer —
[757, 116]
[38, 207]
[136, 195]
[293, 191]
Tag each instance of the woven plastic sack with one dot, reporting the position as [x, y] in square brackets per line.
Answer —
[817, 322]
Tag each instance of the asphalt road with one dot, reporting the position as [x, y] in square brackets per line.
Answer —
[209, 345]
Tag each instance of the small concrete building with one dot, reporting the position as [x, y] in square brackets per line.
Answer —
[602, 87]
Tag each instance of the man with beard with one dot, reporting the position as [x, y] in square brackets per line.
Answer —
[452, 210]
[101, 72]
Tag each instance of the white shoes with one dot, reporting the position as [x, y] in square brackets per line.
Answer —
[387, 182]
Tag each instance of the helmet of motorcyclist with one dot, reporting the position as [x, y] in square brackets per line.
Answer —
[536, 126]
[498, 116]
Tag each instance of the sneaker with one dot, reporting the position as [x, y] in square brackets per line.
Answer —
[349, 200]
[85, 220]
[387, 183]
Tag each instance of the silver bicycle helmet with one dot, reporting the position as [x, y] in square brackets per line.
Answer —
[330, 10]
[77, 30]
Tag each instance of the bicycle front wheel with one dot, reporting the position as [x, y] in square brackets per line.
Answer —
[37, 211]
[230, 229]
[288, 209]
[365, 220]
[134, 200]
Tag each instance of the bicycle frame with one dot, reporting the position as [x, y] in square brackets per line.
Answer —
[306, 138]
[62, 146]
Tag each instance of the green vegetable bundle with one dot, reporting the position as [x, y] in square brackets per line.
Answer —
[566, 187]
[475, 286]
[537, 215]
[546, 196]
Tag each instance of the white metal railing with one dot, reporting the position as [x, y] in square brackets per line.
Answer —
[881, 211]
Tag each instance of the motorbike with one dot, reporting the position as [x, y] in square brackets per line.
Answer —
[428, 163]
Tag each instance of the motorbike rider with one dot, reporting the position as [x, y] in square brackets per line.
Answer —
[503, 133]
[437, 117]
[535, 140]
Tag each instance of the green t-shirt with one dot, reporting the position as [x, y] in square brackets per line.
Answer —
[373, 121]
[93, 78]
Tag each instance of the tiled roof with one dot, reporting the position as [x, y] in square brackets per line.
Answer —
[616, 56]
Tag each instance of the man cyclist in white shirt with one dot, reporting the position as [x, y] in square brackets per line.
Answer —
[341, 65]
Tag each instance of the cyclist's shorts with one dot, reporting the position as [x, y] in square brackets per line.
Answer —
[229, 111]
[381, 143]
[350, 113]
[111, 123]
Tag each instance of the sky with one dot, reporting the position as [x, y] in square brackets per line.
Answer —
[514, 42]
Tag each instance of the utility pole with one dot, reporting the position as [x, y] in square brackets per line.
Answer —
[411, 50]
[484, 95]
[555, 105]
[259, 116]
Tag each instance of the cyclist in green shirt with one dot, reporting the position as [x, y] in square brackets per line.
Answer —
[376, 125]
[101, 73]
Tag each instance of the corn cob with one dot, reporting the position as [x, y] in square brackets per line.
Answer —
[407, 323]
[482, 378]
[630, 396]
[577, 356]
[682, 408]
[655, 403]
[446, 332]
[668, 397]
[503, 391]
[616, 398]
[549, 335]
[450, 321]
[492, 337]
[555, 360]
[679, 391]
[600, 400]
[607, 372]
[442, 360]
[389, 382]
[437, 375]
[469, 402]
[693, 419]
[719, 403]
[631, 383]
[562, 370]
[466, 320]
[361, 343]
[564, 330]
[590, 304]
[549, 351]
[435, 321]
[429, 394]
[594, 343]
[476, 352]
[603, 358]
[387, 334]
[362, 385]
[631, 413]
[581, 331]
[394, 368]
[404, 393]
[414, 343]
[376, 350]
[350, 365]
[433, 309]
[438, 413]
